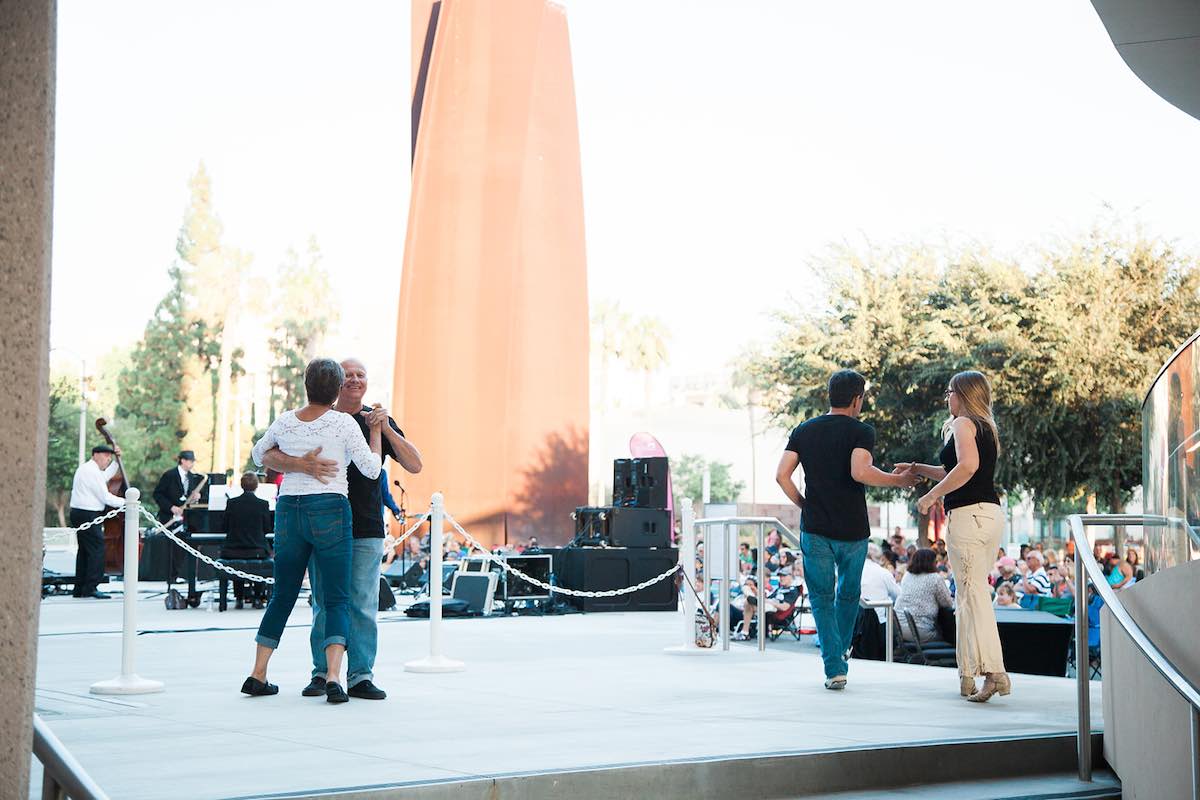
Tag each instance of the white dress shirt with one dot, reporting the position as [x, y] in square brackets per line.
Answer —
[89, 489]
[878, 584]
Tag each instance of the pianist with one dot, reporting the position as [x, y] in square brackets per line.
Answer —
[248, 520]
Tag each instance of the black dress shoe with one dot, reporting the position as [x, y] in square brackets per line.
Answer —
[365, 690]
[99, 595]
[256, 688]
[334, 693]
[315, 688]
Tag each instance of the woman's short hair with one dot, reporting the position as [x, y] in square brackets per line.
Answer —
[249, 482]
[922, 561]
[323, 378]
[1006, 588]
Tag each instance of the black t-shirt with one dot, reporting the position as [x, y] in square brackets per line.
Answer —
[835, 505]
[365, 495]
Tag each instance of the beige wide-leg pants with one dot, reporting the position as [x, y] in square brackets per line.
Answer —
[972, 539]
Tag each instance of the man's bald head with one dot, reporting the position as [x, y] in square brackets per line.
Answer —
[355, 385]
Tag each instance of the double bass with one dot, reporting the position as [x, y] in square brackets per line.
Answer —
[114, 528]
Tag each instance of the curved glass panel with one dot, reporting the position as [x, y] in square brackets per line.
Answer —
[1171, 460]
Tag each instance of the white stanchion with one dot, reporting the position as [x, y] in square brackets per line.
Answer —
[435, 661]
[687, 557]
[129, 682]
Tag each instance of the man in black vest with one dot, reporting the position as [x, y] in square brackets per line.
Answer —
[177, 486]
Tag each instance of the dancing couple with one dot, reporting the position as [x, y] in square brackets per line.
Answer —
[836, 451]
[329, 521]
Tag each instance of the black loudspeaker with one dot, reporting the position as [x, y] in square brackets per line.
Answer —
[640, 482]
[624, 488]
[639, 527]
[591, 524]
[602, 568]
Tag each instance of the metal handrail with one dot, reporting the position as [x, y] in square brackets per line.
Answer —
[889, 605]
[62, 775]
[723, 599]
[1087, 568]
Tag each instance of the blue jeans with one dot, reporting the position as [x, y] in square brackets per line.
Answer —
[364, 604]
[310, 526]
[833, 575]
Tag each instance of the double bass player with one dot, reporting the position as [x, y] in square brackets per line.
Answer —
[90, 497]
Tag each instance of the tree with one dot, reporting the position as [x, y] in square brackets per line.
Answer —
[644, 349]
[304, 316]
[152, 389]
[687, 479]
[62, 453]
[1069, 346]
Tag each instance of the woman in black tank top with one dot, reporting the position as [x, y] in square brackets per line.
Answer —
[966, 485]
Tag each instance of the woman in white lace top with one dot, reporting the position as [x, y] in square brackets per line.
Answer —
[312, 519]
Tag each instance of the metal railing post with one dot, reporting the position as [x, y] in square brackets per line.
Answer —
[62, 775]
[1082, 689]
[888, 632]
[128, 682]
[435, 662]
[762, 589]
[725, 541]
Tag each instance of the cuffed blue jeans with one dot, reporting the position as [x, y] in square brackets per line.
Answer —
[364, 604]
[308, 526]
[833, 576]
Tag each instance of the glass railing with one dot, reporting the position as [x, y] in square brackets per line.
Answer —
[1171, 460]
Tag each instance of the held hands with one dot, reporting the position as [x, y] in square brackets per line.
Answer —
[323, 469]
[926, 502]
[377, 416]
[906, 475]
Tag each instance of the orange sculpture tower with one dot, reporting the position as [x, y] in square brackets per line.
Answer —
[492, 338]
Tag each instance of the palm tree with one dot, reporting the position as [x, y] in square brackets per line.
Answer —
[644, 349]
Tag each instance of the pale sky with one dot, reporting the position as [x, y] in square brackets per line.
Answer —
[724, 145]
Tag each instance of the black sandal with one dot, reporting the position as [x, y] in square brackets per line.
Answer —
[256, 688]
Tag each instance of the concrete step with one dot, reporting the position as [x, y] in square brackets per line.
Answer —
[965, 770]
[1067, 786]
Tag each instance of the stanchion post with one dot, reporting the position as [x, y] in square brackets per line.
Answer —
[128, 682]
[727, 531]
[435, 661]
[687, 559]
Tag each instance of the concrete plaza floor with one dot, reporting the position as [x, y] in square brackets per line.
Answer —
[538, 694]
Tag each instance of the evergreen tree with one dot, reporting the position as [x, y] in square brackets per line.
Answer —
[62, 453]
[152, 389]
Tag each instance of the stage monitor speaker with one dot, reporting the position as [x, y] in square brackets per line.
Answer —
[639, 527]
[538, 567]
[604, 568]
[478, 589]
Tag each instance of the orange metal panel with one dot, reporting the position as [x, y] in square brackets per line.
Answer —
[492, 340]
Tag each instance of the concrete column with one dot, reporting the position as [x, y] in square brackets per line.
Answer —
[27, 46]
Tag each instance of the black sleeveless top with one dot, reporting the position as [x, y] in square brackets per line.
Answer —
[981, 488]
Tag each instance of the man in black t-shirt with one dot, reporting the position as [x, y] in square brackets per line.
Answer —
[836, 451]
[366, 510]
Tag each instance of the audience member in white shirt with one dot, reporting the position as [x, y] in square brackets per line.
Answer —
[877, 581]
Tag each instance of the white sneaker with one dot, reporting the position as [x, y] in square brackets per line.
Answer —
[836, 683]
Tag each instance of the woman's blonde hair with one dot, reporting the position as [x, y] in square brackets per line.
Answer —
[975, 393]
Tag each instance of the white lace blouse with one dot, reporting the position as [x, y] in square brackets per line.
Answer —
[339, 438]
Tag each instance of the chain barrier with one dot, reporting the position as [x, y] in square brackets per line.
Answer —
[471, 540]
[237, 573]
[100, 519]
[396, 541]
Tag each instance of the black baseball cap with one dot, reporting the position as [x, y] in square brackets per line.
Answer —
[103, 448]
